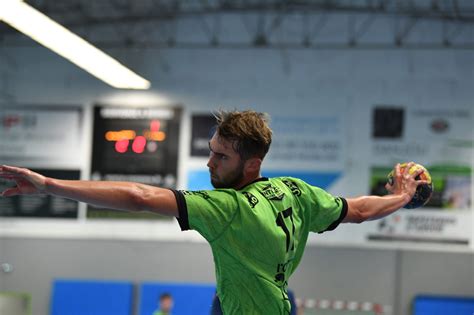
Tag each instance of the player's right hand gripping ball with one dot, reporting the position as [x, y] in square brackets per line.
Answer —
[423, 192]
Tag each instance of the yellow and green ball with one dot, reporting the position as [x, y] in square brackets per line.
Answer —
[423, 192]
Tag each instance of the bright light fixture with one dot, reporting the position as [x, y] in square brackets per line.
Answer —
[52, 35]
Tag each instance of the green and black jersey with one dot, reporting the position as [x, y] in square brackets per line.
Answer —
[258, 235]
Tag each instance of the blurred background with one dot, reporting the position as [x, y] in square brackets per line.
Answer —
[352, 87]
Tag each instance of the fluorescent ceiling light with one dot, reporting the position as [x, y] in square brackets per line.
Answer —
[65, 43]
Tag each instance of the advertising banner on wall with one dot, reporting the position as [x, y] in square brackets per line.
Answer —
[311, 147]
[47, 139]
[41, 135]
[441, 140]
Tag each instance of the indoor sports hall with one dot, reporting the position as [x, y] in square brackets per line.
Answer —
[120, 100]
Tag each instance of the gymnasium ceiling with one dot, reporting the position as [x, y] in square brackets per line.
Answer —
[156, 23]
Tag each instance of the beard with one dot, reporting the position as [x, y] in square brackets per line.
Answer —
[231, 180]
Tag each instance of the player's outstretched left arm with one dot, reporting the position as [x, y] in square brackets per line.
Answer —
[126, 196]
[402, 191]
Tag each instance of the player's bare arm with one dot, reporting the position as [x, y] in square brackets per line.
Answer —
[402, 190]
[126, 196]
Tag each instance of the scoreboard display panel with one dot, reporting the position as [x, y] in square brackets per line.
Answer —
[138, 144]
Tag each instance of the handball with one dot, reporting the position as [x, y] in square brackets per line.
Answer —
[423, 192]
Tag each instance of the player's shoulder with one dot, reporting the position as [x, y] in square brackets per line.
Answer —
[275, 186]
[287, 179]
[267, 183]
[210, 195]
[291, 182]
[298, 186]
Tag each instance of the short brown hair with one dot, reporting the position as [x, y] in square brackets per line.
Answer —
[248, 130]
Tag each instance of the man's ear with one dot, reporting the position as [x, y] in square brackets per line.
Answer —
[253, 164]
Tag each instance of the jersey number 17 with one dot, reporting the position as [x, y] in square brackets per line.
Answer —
[280, 221]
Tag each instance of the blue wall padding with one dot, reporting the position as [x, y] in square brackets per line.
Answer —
[91, 297]
[443, 305]
[192, 299]
[199, 180]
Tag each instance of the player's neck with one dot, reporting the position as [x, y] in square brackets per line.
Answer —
[246, 180]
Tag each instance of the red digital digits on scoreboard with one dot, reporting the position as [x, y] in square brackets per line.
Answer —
[147, 140]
